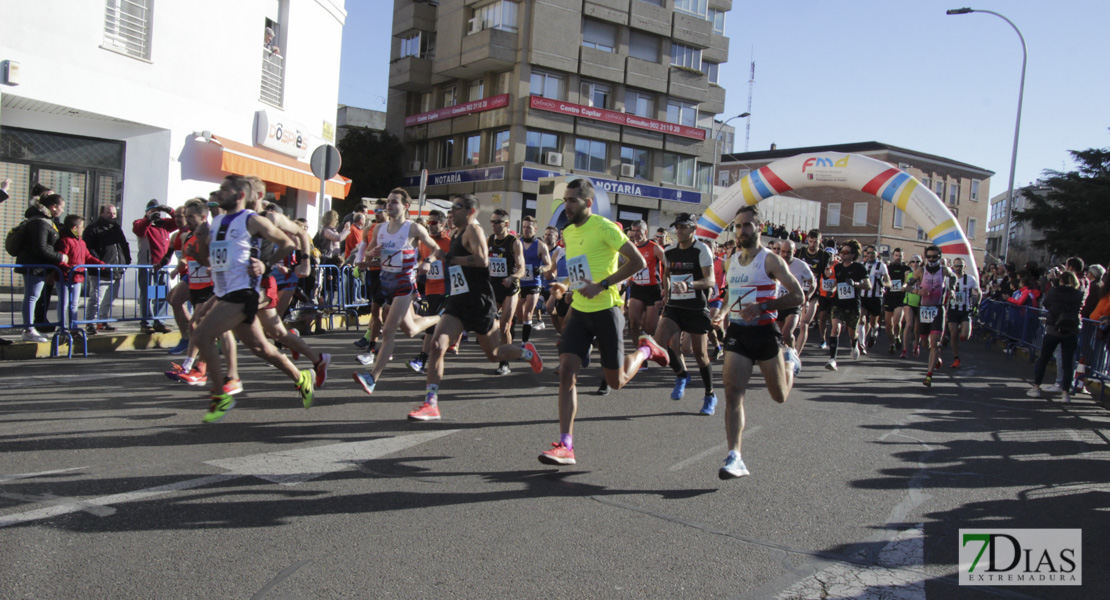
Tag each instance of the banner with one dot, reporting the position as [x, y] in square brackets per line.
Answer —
[614, 117]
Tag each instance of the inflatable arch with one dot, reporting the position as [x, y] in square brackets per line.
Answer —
[848, 171]
[550, 207]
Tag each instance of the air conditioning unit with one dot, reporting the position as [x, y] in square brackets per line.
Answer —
[628, 170]
[555, 159]
[414, 165]
[474, 25]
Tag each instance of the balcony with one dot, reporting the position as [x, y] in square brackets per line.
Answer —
[717, 50]
[273, 78]
[645, 75]
[650, 18]
[614, 11]
[691, 30]
[411, 74]
[599, 64]
[715, 102]
[416, 15]
[688, 84]
[485, 51]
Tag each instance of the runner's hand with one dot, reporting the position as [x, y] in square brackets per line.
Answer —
[256, 268]
[750, 312]
[590, 290]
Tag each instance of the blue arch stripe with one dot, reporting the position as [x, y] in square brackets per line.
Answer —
[951, 236]
[761, 186]
[892, 187]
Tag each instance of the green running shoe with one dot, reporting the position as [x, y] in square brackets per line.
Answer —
[220, 405]
[306, 385]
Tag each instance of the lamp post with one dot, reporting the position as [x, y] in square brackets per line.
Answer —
[1017, 124]
[716, 153]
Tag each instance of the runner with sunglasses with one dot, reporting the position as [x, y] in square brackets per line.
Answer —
[894, 300]
[933, 279]
[850, 278]
[506, 268]
[814, 255]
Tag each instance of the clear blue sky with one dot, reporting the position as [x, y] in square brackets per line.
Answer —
[897, 72]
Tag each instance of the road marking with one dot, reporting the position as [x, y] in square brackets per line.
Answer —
[6, 478]
[40, 380]
[92, 509]
[718, 449]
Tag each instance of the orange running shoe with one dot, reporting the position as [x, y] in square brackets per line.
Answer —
[194, 377]
[558, 455]
[427, 412]
[658, 353]
[233, 386]
[533, 357]
[956, 364]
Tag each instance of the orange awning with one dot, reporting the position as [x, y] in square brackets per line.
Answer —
[273, 167]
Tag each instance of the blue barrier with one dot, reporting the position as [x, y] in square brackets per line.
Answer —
[329, 290]
[356, 295]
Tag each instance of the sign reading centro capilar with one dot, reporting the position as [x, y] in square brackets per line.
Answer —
[617, 118]
[486, 174]
[458, 110]
[631, 188]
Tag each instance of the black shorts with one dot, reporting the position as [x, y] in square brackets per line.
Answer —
[374, 286]
[893, 301]
[562, 306]
[248, 298]
[689, 320]
[955, 317]
[824, 304]
[604, 329]
[200, 296]
[433, 305]
[847, 315]
[477, 313]
[526, 290]
[756, 342]
[648, 294]
[501, 292]
[872, 306]
[786, 312]
[936, 326]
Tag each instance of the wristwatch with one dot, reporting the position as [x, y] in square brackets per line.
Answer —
[763, 306]
[604, 283]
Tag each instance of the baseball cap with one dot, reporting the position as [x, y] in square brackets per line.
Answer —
[685, 219]
[151, 204]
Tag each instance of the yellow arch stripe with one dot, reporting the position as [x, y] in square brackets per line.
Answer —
[949, 224]
[749, 196]
[712, 216]
[904, 197]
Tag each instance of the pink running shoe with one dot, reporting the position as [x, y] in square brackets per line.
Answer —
[427, 412]
[534, 357]
[321, 369]
[658, 353]
[233, 386]
[557, 455]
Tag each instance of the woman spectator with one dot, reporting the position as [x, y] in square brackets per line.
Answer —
[1028, 295]
[1063, 303]
[1095, 274]
[330, 243]
[71, 245]
[40, 234]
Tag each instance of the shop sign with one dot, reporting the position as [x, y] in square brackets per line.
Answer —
[614, 117]
[276, 132]
[630, 188]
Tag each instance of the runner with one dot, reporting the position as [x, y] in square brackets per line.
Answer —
[470, 305]
[965, 294]
[932, 284]
[536, 261]
[688, 271]
[372, 274]
[850, 277]
[392, 244]
[593, 244]
[232, 251]
[788, 317]
[894, 300]
[435, 293]
[817, 258]
[557, 271]
[506, 268]
[753, 336]
[872, 299]
[717, 312]
[645, 296]
[913, 304]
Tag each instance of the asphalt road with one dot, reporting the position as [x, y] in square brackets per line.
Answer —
[111, 488]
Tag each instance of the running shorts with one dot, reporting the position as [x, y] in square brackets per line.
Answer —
[374, 285]
[501, 292]
[395, 285]
[715, 304]
[200, 296]
[848, 316]
[478, 314]
[691, 321]
[937, 324]
[270, 292]
[433, 305]
[756, 342]
[872, 306]
[958, 316]
[529, 289]
[248, 298]
[824, 304]
[604, 329]
[648, 294]
[893, 301]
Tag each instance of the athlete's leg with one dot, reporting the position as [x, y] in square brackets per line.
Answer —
[177, 298]
[447, 330]
[736, 375]
[254, 339]
[275, 329]
[636, 310]
[223, 317]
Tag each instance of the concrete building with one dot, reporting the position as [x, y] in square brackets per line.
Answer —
[1023, 237]
[846, 214]
[490, 97]
[353, 117]
[125, 101]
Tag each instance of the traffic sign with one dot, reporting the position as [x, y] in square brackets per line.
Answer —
[325, 161]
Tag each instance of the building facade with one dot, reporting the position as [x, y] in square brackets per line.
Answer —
[1023, 238]
[846, 214]
[491, 96]
[124, 101]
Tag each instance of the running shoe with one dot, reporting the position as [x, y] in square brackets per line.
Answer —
[956, 363]
[366, 380]
[453, 349]
[928, 381]
[1066, 397]
[604, 389]
[321, 369]
[792, 357]
[1034, 392]
[862, 348]
[32, 335]
[658, 353]
[306, 388]
[296, 355]
[417, 365]
[904, 354]
[539, 326]
[361, 343]
[232, 386]
[105, 327]
[916, 350]
[890, 351]
[680, 384]
[714, 352]
[1054, 389]
[831, 365]
[181, 347]
[366, 358]
[734, 467]
[709, 404]
[557, 455]
[855, 350]
[823, 346]
[939, 364]
[160, 327]
[533, 357]
[427, 412]
[218, 410]
[175, 373]
[502, 369]
[197, 378]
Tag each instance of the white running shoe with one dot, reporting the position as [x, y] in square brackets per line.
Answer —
[734, 467]
[32, 335]
[1053, 389]
[1034, 392]
[831, 365]
[855, 351]
[1066, 397]
[792, 357]
[366, 358]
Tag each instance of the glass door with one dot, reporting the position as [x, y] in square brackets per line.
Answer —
[72, 185]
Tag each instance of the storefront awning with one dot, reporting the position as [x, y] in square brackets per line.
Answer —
[273, 167]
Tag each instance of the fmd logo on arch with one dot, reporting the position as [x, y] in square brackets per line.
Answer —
[1021, 557]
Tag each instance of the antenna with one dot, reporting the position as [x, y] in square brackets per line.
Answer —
[751, 84]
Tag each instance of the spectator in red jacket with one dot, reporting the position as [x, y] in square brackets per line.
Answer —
[71, 246]
[153, 231]
[1028, 295]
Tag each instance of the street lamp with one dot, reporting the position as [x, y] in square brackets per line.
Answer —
[716, 153]
[1017, 124]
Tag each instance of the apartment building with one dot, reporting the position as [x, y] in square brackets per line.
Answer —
[491, 96]
[1023, 238]
[846, 214]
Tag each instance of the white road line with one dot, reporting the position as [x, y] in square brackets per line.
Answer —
[37, 381]
[6, 478]
[718, 449]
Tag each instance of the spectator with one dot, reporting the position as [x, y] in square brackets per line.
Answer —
[71, 245]
[40, 234]
[1028, 295]
[4, 185]
[354, 234]
[270, 43]
[1095, 292]
[1063, 303]
[105, 240]
[153, 230]
[1102, 309]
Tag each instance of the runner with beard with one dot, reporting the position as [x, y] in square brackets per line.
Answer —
[506, 268]
[965, 295]
[894, 300]
[645, 296]
[788, 317]
[817, 258]
[435, 292]
[536, 260]
[850, 277]
[932, 284]
[872, 299]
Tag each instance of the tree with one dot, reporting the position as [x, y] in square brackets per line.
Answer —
[1072, 209]
[372, 161]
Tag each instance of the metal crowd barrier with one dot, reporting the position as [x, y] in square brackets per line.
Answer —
[121, 293]
[329, 290]
[356, 295]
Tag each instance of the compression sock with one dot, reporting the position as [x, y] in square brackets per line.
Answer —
[707, 378]
[432, 392]
[833, 343]
[526, 331]
[674, 359]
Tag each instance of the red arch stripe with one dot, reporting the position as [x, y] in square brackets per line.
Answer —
[773, 180]
[876, 184]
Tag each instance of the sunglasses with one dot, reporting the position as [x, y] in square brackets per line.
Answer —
[914, 261]
[435, 222]
[932, 257]
[496, 222]
[457, 207]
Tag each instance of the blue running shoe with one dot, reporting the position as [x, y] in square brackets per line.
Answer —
[417, 365]
[361, 343]
[680, 384]
[181, 346]
[366, 380]
[709, 405]
[734, 467]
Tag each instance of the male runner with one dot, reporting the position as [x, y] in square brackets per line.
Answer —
[933, 280]
[788, 317]
[470, 305]
[373, 284]
[965, 294]
[850, 277]
[645, 297]
[435, 293]
[754, 274]
[817, 258]
[894, 304]
[506, 268]
[556, 273]
[536, 261]
[689, 277]
[593, 245]
[872, 299]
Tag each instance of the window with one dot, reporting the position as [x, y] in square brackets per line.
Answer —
[691, 7]
[419, 44]
[643, 46]
[711, 69]
[472, 150]
[678, 169]
[547, 85]
[655, 2]
[972, 224]
[450, 97]
[832, 218]
[920, 233]
[477, 90]
[974, 190]
[925, 181]
[899, 218]
[538, 144]
[685, 56]
[499, 149]
[705, 177]
[717, 17]
[859, 214]
[722, 178]
[954, 193]
[682, 113]
[641, 104]
[599, 35]
[589, 155]
[127, 27]
[939, 189]
[446, 153]
[498, 15]
[596, 95]
[639, 158]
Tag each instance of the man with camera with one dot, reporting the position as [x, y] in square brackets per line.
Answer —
[153, 231]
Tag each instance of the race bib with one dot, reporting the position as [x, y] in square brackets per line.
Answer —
[927, 314]
[393, 263]
[807, 285]
[529, 274]
[217, 255]
[436, 270]
[498, 267]
[198, 273]
[458, 281]
[959, 298]
[689, 294]
[895, 285]
[642, 277]
[578, 272]
[845, 291]
[828, 285]
[739, 296]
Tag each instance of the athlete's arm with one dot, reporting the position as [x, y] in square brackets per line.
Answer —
[474, 240]
[518, 258]
[204, 238]
[418, 233]
[708, 277]
[886, 277]
[865, 283]
[545, 257]
[261, 227]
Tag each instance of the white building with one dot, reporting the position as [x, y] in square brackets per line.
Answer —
[126, 101]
